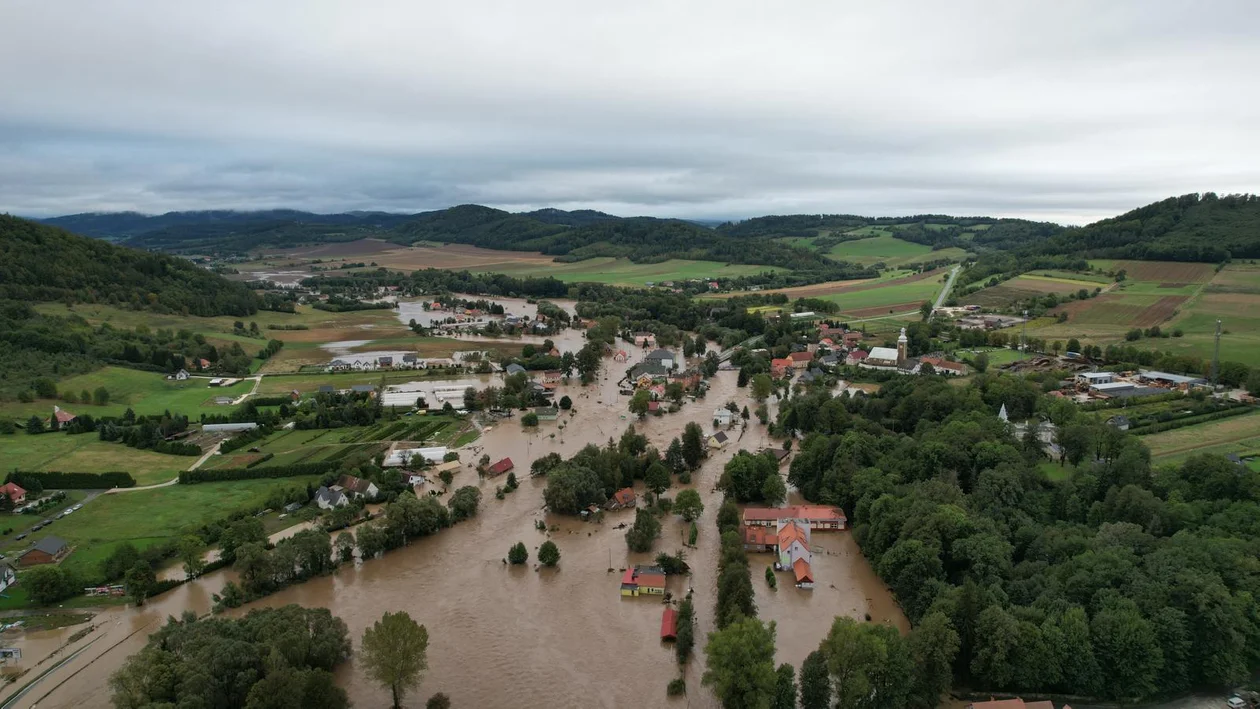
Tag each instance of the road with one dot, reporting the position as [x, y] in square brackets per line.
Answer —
[949, 286]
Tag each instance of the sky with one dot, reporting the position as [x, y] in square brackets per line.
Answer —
[1065, 111]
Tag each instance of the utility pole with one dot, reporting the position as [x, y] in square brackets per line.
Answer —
[1023, 337]
[1216, 354]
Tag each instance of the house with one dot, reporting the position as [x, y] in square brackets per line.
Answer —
[779, 454]
[60, 417]
[203, 364]
[358, 486]
[944, 366]
[780, 367]
[816, 517]
[1088, 379]
[368, 389]
[7, 577]
[1119, 422]
[689, 379]
[803, 574]
[410, 360]
[450, 465]
[801, 360]
[791, 544]
[415, 479]
[722, 417]
[718, 440]
[852, 339]
[811, 376]
[16, 494]
[644, 373]
[327, 498]
[503, 466]
[669, 624]
[295, 395]
[48, 550]
[856, 357]
[643, 580]
[513, 368]
[662, 357]
[759, 539]
[622, 499]
[552, 376]
[654, 407]
[547, 413]
[181, 375]
[385, 361]
[644, 339]
[621, 356]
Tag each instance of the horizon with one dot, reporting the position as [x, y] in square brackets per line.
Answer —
[1068, 113]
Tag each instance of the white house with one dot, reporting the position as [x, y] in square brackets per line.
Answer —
[663, 357]
[402, 456]
[328, 499]
[722, 417]
[181, 375]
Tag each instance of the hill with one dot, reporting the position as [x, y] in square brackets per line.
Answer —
[44, 263]
[578, 217]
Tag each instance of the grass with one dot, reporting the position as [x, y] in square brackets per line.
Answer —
[85, 453]
[1055, 472]
[1223, 435]
[888, 249]
[143, 392]
[625, 272]
[906, 295]
[276, 384]
[149, 517]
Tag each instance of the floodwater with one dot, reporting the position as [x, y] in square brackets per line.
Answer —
[409, 310]
[520, 636]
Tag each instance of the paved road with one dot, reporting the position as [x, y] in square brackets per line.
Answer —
[949, 286]
[172, 481]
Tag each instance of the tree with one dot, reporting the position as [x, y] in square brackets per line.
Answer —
[566, 403]
[674, 458]
[773, 490]
[139, 582]
[393, 652]
[1074, 345]
[815, 682]
[933, 646]
[518, 554]
[855, 657]
[997, 642]
[100, 397]
[529, 420]
[48, 584]
[762, 385]
[688, 505]
[345, 547]
[438, 701]
[728, 517]
[190, 552]
[639, 402]
[549, 553]
[925, 310]
[643, 534]
[1127, 650]
[981, 362]
[693, 445]
[34, 425]
[572, 488]
[771, 581]
[657, 477]
[739, 661]
[463, 503]
[686, 631]
[785, 688]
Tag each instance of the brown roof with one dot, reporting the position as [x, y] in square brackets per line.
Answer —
[801, 356]
[350, 482]
[777, 363]
[802, 571]
[501, 467]
[805, 512]
[63, 416]
[624, 496]
[650, 578]
[764, 536]
[1015, 703]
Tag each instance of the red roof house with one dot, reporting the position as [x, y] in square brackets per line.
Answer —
[856, 356]
[15, 493]
[62, 417]
[801, 360]
[816, 516]
[758, 538]
[622, 498]
[669, 624]
[654, 406]
[779, 367]
[500, 467]
[804, 574]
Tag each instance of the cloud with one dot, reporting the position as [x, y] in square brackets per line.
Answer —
[1069, 112]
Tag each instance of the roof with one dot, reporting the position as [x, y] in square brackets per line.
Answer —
[62, 415]
[12, 489]
[801, 356]
[764, 536]
[502, 466]
[808, 513]
[859, 354]
[793, 532]
[1118, 420]
[625, 496]
[721, 413]
[887, 353]
[660, 354]
[51, 545]
[650, 576]
[1170, 378]
[782, 362]
[362, 388]
[654, 405]
[514, 368]
[804, 574]
[669, 623]
[720, 437]
[627, 579]
[1096, 375]
[359, 485]
[778, 453]
[1112, 386]
[1015, 703]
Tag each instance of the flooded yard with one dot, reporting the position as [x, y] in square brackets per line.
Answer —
[518, 636]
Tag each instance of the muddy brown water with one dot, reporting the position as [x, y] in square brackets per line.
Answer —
[519, 636]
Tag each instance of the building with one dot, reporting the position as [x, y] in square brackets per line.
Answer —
[547, 413]
[450, 465]
[385, 361]
[358, 486]
[722, 417]
[806, 315]
[1121, 423]
[644, 339]
[669, 624]
[16, 494]
[759, 539]
[60, 418]
[7, 577]
[944, 366]
[48, 550]
[810, 376]
[622, 499]
[856, 357]
[203, 364]
[801, 360]
[1015, 703]
[327, 498]
[654, 407]
[718, 440]
[228, 427]
[816, 517]
[643, 581]
[368, 389]
[503, 466]
[1164, 379]
[1088, 379]
[644, 374]
[803, 574]
[662, 357]
[402, 457]
[881, 357]
[181, 375]
[513, 368]
[780, 367]
[779, 454]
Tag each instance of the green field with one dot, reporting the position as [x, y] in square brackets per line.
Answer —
[275, 384]
[84, 453]
[1237, 434]
[143, 392]
[889, 250]
[625, 272]
[147, 517]
[907, 295]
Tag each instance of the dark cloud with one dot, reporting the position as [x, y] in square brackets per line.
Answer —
[1066, 111]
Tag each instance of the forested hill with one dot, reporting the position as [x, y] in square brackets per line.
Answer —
[1192, 227]
[125, 225]
[45, 263]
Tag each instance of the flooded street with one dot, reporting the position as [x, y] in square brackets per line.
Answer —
[515, 636]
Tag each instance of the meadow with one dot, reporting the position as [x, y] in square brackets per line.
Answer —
[85, 453]
[142, 392]
[1237, 434]
[880, 245]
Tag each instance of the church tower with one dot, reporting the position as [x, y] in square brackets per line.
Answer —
[901, 346]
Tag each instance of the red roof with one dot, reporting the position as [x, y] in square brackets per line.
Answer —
[624, 496]
[801, 356]
[804, 574]
[63, 416]
[650, 579]
[669, 624]
[780, 363]
[764, 536]
[205, 363]
[654, 405]
[809, 513]
[627, 579]
[501, 467]
[12, 490]
[792, 532]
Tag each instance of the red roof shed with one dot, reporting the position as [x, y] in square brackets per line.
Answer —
[501, 467]
[669, 624]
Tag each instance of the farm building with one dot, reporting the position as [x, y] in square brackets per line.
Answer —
[228, 427]
[48, 550]
[1092, 378]
[1176, 381]
[503, 466]
[669, 624]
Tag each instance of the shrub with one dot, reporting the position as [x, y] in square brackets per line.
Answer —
[70, 481]
[676, 687]
[549, 553]
[518, 554]
[771, 581]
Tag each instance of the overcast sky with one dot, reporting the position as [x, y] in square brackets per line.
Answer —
[1065, 111]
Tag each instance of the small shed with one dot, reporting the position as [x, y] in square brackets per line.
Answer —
[669, 624]
[500, 467]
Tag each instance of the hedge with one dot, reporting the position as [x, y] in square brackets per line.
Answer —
[70, 481]
[203, 475]
[260, 461]
[1188, 421]
[244, 438]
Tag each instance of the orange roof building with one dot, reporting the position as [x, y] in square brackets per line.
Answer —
[759, 538]
[815, 516]
[803, 573]
[621, 499]
[643, 580]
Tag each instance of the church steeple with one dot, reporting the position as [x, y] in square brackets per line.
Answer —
[1002, 415]
[902, 343]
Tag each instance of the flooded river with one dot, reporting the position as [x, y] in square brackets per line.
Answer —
[515, 636]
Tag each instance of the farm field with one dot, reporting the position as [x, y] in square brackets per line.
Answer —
[1236, 434]
[277, 384]
[886, 248]
[84, 453]
[143, 392]
[147, 517]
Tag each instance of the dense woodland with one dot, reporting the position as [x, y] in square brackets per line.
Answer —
[1122, 581]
